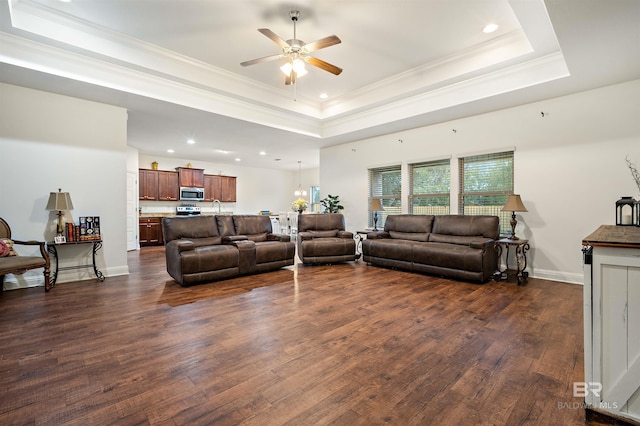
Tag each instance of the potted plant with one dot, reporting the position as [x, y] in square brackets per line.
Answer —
[331, 204]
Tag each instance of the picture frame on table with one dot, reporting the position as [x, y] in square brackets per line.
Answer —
[59, 239]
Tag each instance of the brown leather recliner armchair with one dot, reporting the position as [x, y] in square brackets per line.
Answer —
[322, 238]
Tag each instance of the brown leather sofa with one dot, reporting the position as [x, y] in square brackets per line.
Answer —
[322, 239]
[202, 249]
[454, 246]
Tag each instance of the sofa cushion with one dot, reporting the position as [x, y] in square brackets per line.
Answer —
[209, 258]
[328, 247]
[457, 239]
[262, 236]
[413, 236]
[189, 227]
[409, 223]
[252, 224]
[321, 222]
[389, 248]
[487, 226]
[446, 255]
[323, 234]
[226, 226]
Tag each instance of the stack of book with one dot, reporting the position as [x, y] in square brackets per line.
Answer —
[87, 230]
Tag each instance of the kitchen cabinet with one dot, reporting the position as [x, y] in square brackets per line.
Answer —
[168, 186]
[211, 187]
[228, 189]
[612, 322]
[191, 177]
[150, 231]
[148, 184]
[222, 188]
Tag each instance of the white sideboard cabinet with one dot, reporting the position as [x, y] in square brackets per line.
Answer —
[612, 322]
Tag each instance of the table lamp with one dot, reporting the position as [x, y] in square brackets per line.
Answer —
[60, 201]
[375, 207]
[513, 205]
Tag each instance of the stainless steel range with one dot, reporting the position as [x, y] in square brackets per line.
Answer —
[187, 210]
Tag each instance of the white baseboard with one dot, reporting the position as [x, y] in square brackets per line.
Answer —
[567, 277]
[13, 282]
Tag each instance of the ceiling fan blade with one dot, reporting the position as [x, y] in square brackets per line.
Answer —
[322, 43]
[323, 65]
[273, 36]
[260, 60]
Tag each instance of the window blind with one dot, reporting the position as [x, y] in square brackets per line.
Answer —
[430, 187]
[385, 183]
[485, 184]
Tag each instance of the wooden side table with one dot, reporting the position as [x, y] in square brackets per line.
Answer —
[519, 248]
[52, 247]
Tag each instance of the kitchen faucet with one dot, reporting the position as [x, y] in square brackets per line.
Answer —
[219, 205]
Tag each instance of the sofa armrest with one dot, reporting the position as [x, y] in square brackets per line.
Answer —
[304, 236]
[377, 235]
[182, 245]
[345, 234]
[486, 244]
[230, 239]
[279, 237]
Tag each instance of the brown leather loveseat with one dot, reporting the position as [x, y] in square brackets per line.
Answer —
[322, 239]
[454, 246]
[202, 249]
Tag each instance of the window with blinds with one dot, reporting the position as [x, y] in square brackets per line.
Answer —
[429, 187]
[385, 183]
[485, 184]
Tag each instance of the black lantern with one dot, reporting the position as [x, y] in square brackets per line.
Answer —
[626, 211]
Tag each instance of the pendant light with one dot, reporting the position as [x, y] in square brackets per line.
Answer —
[300, 192]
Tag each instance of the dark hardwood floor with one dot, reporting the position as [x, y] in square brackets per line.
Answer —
[346, 344]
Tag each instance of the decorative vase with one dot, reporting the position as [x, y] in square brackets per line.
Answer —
[300, 211]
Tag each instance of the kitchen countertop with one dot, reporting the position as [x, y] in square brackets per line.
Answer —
[143, 215]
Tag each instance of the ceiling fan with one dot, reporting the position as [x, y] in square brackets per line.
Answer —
[297, 53]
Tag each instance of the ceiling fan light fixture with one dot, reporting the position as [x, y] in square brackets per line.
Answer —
[297, 65]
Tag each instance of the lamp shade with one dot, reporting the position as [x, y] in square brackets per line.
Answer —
[375, 205]
[59, 201]
[514, 204]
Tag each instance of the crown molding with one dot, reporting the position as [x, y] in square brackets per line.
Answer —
[40, 57]
[530, 73]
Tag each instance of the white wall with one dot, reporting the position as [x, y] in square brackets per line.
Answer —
[569, 166]
[48, 142]
[256, 188]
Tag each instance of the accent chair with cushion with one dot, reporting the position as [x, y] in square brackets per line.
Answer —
[12, 263]
[322, 238]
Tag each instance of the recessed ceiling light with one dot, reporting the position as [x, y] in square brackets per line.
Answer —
[170, 151]
[221, 151]
[191, 141]
[263, 153]
[237, 159]
[323, 96]
[489, 28]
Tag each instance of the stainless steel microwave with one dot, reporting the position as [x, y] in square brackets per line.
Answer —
[191, 194]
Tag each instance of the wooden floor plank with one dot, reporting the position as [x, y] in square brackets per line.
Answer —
[344, 344]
